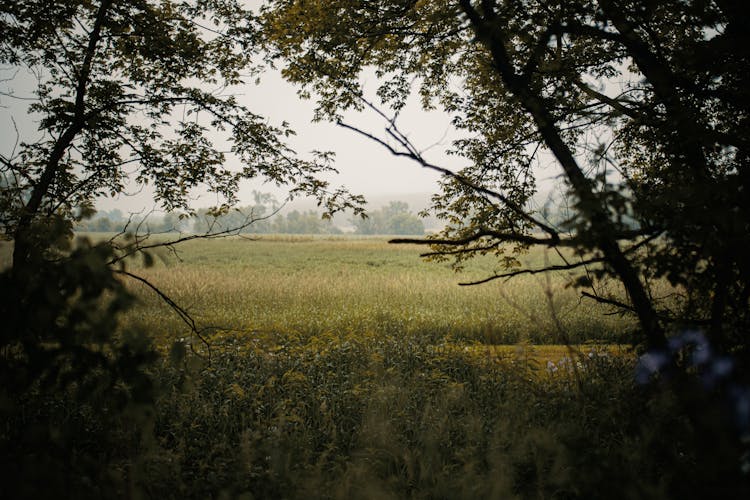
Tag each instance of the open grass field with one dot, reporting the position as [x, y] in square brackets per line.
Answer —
[349, 368]
[304, 286]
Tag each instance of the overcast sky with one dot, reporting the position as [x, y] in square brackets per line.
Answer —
[365, 166]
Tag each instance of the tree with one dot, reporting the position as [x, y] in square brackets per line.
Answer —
[394, 219]
[130, 86]
[103, 224]
[126, 90]
[141, 91]
[644, 107]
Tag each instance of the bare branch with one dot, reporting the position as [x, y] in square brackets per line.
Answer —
[532, 64]
[558, 267]
[181, 312]
[483, 233]
[610, 301]
[137, 247]
[605, 99]
[413, 154]
[460, 251]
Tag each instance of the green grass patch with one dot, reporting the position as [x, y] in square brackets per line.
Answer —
[349, 368]
[309, 286]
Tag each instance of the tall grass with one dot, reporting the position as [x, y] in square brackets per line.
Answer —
[388, 417]
[346, 368]
[308, 286]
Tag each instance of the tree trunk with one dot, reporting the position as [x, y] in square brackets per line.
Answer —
[591, 207]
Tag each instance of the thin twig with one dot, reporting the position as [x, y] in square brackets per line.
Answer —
[545, 269]
[181, 312]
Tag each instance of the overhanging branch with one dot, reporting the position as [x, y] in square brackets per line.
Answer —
[484, 233]
[137, 247]
[512, 274]
[412, 153]
[181, 312]
[608, 300]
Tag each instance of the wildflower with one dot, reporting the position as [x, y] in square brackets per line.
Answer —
[649, 364]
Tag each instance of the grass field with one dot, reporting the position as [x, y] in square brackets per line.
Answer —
[349, 368]
[311, 286]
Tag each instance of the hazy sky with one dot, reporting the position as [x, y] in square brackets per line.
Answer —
[365, 167]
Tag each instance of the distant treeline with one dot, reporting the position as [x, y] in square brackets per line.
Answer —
[261, 218]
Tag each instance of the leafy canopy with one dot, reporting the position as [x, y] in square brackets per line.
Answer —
[140, 90]
[643, 106]
[124, 91]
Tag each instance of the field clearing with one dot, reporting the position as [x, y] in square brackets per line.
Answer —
[352, 367]
[304, 287]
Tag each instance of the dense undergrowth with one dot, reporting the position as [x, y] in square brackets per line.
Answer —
[344, 416]
[90, 409]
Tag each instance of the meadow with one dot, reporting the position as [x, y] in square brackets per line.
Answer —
[308, 286]
[349, 368]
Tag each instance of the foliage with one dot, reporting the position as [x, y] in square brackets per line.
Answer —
[136, 90]
[308, 222]
[643, 105]
[394, 218]
[125, 91]
[75, 397]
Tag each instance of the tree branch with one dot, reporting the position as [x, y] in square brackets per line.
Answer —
[605, 99]
[532, 64]
[181, 312]
[41, 189]
[512, 274]
[412, 153]
[137, 247]
[483, 233]
[609, 301]
[492, 36]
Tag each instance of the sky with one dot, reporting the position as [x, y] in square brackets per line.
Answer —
[365, 167]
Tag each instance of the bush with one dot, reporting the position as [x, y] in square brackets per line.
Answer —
[386, 417]
[75, 397]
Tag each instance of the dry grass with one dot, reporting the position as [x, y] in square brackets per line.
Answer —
[309, 286]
